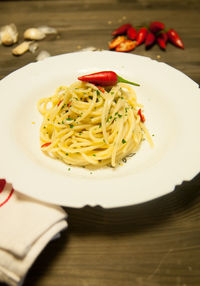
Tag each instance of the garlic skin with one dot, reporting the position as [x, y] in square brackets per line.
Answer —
[9, 34]
[34, 34]
[42, 55]
[47, 30]
[90, 49]
[21, 49]
[33, 47]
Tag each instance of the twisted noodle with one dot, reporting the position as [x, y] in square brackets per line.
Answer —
[86, 126]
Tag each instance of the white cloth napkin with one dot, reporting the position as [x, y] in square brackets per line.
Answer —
[26, 227]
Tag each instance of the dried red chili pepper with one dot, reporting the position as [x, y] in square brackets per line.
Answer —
[150, 40]
[121, 30]
[131, 33]
[126, 46]
[142, 118]
[101, 88]
[141, 35]
[175, 39]
[162, 40]
[116, 41]
[156, 27]
[2, 184]
[46, 144]
[69, 104]
[59, 102]
[104, 78]
[8, 197]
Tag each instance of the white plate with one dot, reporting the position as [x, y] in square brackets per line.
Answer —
[171, 104]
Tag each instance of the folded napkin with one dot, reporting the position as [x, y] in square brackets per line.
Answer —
[26, 226]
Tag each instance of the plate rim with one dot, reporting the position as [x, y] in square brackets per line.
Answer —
[93, 203]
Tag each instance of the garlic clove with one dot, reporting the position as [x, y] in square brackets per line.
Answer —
[34, 34]
[47, 30]
[9, 34]
[6, 39]
[22, 48]
[43, 55]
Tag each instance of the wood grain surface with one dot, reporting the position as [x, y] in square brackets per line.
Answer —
[151, 244]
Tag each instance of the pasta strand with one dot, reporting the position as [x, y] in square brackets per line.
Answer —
[84, 126]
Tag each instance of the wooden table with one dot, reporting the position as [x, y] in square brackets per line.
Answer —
[155, 243]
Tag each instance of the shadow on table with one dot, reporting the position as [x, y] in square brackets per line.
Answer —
[135, 218]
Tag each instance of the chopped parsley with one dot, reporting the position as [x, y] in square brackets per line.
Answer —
[124, 160]
[109, 118]
[71, 125]
[123, 141]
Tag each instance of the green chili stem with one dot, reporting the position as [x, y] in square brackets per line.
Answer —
[120, 79]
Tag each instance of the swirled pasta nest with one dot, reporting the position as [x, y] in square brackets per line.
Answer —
[89, 126]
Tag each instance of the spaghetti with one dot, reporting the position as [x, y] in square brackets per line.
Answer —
[85, 125]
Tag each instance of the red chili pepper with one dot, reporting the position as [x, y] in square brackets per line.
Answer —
[142, 118]
[59, 102]
[69, 104]
[121, 30]
[150, 40]
[156, 27]
[46, 144]
[104, 78]
[126, 46]
[8, 197]
[162, 40]
[141, 36]
[2, 184]
[116, 41]
[175, 39]
[101, 88]
[131, 33]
